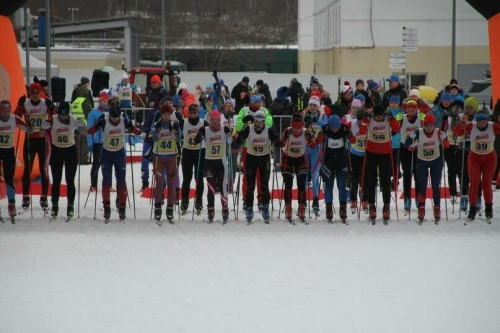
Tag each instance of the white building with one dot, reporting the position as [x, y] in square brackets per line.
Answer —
[356, 37]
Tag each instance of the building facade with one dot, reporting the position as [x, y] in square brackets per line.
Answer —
[357, 36]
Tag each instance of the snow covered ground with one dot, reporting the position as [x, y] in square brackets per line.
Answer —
[85, 276]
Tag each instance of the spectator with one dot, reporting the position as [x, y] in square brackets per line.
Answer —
[374, 97]
[423, 107]
[241, 94]
[263, 89]
[295, 92]
[314, 87]
[83, 91]
[395, 88]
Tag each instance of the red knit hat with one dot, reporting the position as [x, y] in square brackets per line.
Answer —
[35, 87]
[155, 78]
[429, 119]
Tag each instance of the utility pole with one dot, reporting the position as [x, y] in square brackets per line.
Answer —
[453, 39]
[163, 33]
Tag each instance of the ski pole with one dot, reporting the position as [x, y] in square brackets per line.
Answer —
[444, 181]
[197, 179]
[131, 169]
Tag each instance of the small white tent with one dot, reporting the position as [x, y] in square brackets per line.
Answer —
[37, 67]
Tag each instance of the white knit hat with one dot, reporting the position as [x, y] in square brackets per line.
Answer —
[124, 76]
[415, 92]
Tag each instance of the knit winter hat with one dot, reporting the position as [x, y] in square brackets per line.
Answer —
[378, 110]
[482, 115]
[415, 92]
[125, 76]
[297, 121]
[459, 101]
[356, 103]
[314, 100]
[394, 99]
[257, 98]
[445, 97]
[155, 78]
[472, 101]
[346, 89]
[166, 108]
[35, 87]
[314, 80]
[429, 119]
[361, 98]
[334, 122]
[374, 85]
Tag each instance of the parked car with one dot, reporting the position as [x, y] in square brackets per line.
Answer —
[481, 90]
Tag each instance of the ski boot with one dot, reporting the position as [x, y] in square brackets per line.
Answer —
[364, 206]
[244, 206]
[373, 213]
[211, 214]
[184, 206]
[472, 213]
[464, 202]
[302, 213]
[343, 212]
[453, 199]
[70, 212]
[225, 214]
[117, 202]
[354, 206]
[288, 213]
[158, 212]
[121, 213]
[12, 211]
[407, 205]
[437, 214]
[421, 213]
[265, 214]
[54, 212]
[386, 213]
[315, 206]
[170, 213]
[249, 215]
[145, 185]
[44, 203]
[329, 213]
[488, 212]
[259, 206]
[107, 211]
[199, 207]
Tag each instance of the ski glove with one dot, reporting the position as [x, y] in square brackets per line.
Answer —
[227, 130]
[49, 104]
[80, 123]
[399, 116]
[248, 118]
[175, 126]
[287, 133]
[412, 135]
[21, 100]
[158, 126]
[45, 125]
[101, 122]
[421, 116]
[443, 135]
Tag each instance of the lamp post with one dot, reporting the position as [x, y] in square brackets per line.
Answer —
[73, 10]
[163, 33]
[453, 39]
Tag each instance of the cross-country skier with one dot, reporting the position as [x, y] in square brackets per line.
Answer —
[215, 162]
[164, 135]
[314, 119]
[356, 157]
[482, 158]
[429, 161]
[114, 126]
[293, 162]
[378, 157]
[334, 166]
[259, 137]
[64, 153]
[409, 122]
[193, 159]
[35, 110]
[245, 117]
[8, 124]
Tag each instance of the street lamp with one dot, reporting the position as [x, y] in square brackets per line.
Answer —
[73, 10]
